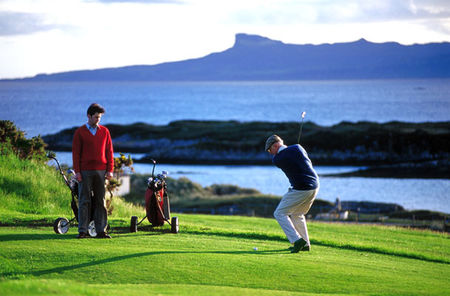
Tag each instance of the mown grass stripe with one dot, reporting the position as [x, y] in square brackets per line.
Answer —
[196, 230]
[274, 237]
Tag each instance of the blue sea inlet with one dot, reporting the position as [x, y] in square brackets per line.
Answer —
[413, 194]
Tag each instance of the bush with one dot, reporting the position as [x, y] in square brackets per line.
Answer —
[13, 140]
[225, 189]
[121, 164]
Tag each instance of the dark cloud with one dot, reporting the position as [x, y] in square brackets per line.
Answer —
[19, 23]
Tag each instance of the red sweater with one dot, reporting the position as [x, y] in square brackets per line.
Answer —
[91, 152]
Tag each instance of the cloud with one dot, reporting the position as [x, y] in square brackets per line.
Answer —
[438, 26]
[21, 23]
[389, 10]
[28, 17]
[340, 11]
[86, 34]
[139, 1]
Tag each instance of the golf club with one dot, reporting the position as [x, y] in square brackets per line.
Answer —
[301, 126]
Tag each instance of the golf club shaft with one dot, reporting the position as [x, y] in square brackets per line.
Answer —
[301, 127]
[300, 133]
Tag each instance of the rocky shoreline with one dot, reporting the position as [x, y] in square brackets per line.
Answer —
[439, 169]
[389, 149]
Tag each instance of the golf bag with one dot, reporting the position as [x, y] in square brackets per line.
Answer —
[157, 206]
[156, 203]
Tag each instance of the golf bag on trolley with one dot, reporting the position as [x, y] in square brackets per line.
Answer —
[157, 205]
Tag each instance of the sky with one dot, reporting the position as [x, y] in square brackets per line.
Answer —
[50, 36]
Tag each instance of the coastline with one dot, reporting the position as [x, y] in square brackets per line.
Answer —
[386, 150]
[426, 170]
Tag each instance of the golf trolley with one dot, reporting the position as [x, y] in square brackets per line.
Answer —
[157, 206]
[61, 224]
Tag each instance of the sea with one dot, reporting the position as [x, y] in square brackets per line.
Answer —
[40, 108]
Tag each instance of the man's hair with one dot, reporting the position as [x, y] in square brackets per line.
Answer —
[95, 108]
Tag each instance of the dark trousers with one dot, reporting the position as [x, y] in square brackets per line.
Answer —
[92, 194]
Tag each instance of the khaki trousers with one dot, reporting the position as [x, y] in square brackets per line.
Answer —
[291, 212]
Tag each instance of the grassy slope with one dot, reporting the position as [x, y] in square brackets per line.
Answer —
[212, 255]
[30, 191]
[28, 187]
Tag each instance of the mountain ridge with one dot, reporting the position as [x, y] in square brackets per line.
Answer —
[254, 57]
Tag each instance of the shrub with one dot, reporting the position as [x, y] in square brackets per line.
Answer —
[13, 140]
[121, 164]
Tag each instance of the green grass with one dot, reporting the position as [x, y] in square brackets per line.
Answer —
[213, 255]
[28, 187]
[30, 192]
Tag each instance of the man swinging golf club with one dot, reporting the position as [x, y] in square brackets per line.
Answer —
[295, 204]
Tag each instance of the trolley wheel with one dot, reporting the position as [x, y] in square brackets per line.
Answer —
[61, 225]
[174, 225]
[91, 229]
[133, 224]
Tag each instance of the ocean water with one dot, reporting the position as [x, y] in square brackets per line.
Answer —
[44, 108]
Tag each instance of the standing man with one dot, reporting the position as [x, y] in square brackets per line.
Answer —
[93, 161]
[290, 213]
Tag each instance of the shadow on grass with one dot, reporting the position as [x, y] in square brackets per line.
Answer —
[130, 256]
[146, 229]
[375, 250]
[32, 237]
[26, 223]
[149, 230]
[35, 237]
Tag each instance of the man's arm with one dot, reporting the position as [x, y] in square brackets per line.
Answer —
[76, 154]
[109, 156]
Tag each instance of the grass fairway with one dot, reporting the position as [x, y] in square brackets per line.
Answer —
[213, 255]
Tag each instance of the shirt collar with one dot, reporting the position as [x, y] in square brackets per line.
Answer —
[93, 130]
[90, 127]
[282, 147]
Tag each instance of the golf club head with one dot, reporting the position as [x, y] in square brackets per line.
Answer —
[154, 165]
[303, 114]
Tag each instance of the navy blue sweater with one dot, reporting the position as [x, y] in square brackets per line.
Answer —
[297, 166]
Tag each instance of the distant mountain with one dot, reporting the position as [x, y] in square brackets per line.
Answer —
[254, 57]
